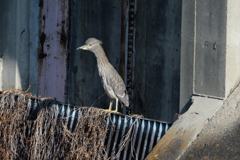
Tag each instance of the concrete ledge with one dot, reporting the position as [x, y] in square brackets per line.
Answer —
[185, 130]
[220, 138]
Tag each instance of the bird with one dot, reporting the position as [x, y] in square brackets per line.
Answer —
[112, 82]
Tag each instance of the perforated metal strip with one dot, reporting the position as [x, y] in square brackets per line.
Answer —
[130, 46]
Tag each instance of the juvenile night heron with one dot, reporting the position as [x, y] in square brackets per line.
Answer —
[111, 80]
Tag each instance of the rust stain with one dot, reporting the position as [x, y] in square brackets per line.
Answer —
[41, 54]
[44, 17]
[63, 35]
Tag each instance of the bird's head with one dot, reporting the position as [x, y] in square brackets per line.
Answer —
[90, 44]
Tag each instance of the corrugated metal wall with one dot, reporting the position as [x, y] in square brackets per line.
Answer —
[19, 44]
[156, 70]
[157, 58]
[93, 18]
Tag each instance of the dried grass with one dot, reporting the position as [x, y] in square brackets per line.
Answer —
[47, 136]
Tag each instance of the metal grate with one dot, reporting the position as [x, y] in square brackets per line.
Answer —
[144, 133]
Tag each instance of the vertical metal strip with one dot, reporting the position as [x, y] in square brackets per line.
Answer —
[72, 118]
[159, 132]
[145, 140]
[53, 48]
[139, 146]
[166, 128]
[110, 137]
[63, 110]
[127, 146]
[68, 115]
[123, 130]
[133, 142]
[153, 132]
[34, 43]
[116, 137]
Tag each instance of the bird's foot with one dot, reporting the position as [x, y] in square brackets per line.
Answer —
[112, 111]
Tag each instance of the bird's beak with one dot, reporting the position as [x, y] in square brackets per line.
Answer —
[84, 47]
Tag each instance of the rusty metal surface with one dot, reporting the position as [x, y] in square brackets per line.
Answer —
[53, 48]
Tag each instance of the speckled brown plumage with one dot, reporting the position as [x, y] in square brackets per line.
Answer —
[111, 80]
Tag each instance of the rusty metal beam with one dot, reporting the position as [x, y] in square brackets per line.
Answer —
[53, 48]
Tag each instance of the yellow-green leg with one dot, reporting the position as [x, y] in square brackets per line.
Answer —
[116, 109]
[110, 105]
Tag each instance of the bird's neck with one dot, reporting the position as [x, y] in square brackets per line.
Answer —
[102, 61]
[100, 55]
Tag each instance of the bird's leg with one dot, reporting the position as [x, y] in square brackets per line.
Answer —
[116, 109]
[110, 105]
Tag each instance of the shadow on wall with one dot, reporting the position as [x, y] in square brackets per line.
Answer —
[186, 107]
[19, 45]
[157, 59]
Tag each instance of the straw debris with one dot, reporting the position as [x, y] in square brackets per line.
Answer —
[46, 136]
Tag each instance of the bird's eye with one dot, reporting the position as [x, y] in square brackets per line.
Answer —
[90, 44]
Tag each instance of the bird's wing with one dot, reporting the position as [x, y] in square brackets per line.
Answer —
[118, 86]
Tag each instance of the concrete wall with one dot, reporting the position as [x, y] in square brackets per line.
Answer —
[187, 53]
[19, 44]
[210, 57]
[232, 46]
[210, 51]
[203, 49]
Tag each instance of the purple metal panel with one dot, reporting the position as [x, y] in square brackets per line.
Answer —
[53, 48]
